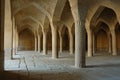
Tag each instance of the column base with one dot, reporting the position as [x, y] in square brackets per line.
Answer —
[114, 54]
[44, 53]
[80, 66]
[71, 53]
[90, 55]
[54, 57]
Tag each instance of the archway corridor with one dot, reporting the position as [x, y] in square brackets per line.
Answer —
[59, 40]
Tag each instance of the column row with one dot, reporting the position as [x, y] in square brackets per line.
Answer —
[91, 43]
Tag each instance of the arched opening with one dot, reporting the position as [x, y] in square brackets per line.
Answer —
[104, 13]
[102, 42]
[65, 38]
[67, 19]
[118, 37]
[103, 17]
[101, 38]
[26, 40]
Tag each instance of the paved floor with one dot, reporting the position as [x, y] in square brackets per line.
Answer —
[35, 66]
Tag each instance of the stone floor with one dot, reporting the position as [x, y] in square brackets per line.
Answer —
[28, 65]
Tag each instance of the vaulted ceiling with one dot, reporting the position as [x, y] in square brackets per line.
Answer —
[37, 14]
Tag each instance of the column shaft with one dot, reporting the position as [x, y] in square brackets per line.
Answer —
[93, 43]
[71, 42]
[80, 35]
[114, 47]
[13, 37]
[44, 43]
[110, 48]
[79, 44]
[35, 43]
[8, 30]
[16, 41]
[39, 43]
[54, 44]
[61, 41]
[90, 44]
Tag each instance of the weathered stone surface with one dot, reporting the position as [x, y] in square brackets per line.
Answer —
[39, 67]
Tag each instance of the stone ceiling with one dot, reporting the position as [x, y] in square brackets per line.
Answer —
[39, 13]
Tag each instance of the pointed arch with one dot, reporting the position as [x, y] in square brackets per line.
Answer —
[26, 40]
[101, 38]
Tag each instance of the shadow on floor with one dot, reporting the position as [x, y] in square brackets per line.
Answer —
[38, 75]
[9, 75]
[103, 65]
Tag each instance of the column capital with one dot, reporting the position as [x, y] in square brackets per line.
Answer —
[112, 27]
[70, 29]
[112, 31]
[56, 24]
[73, 3]
[45, 30]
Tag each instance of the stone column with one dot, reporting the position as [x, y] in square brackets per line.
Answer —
[93, 43]
[114, 47]
[2, 8]
[8, 30]
[71, 42]
[54, 41]
[12, 47]
[79, 13]
[13, 37]
[39, 43]
[16, 42]
[61, 41]
[79, 45]
[90, 44]
[35, 43]
[110, 48]
[44, 43]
